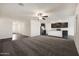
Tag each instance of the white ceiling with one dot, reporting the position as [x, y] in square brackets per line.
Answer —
[30, 9]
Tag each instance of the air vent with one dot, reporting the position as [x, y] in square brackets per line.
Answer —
[21, 4]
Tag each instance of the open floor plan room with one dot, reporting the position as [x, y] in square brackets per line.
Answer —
[39, 29]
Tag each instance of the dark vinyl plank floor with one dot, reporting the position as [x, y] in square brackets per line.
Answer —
[38, 46]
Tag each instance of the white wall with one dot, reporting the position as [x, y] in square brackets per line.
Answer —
[26, 27]
[71, 25]
[5, 28]
[70, 20]
[32, 27]
[35, 28]
[21, 27]
[77, 29]
[77, 34]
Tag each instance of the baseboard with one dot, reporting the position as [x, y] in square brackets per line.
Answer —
[54, 36]
[71, 37]
[6, 38]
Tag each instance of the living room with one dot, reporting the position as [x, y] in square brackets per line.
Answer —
[21, 26]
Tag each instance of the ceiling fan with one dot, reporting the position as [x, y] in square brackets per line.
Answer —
[42, 16]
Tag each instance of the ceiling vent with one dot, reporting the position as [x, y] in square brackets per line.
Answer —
[20, 4]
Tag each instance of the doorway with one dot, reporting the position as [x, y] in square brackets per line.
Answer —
[43, 29]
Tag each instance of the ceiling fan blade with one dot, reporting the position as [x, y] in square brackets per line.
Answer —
[43, 18]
